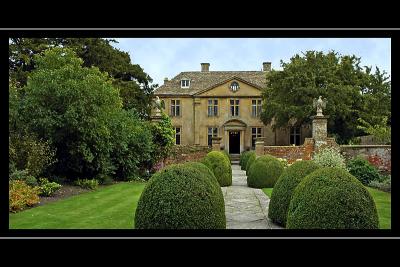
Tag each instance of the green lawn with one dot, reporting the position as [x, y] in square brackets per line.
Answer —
[382, 201]
[111, 207]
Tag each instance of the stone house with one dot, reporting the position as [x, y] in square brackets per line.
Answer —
[205, 104]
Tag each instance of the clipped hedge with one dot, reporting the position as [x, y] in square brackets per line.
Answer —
[284, 188]
[181, 197]
[203, 168]
[250, 161]
[264, 172]
[218, 163]
[244, 157]
[364, 171]
[227, 155]
[331, 198]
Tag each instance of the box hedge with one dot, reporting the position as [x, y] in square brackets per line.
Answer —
[250, 161]
[218, 163]
[264, 172]
[181, 197]
[331, 198]
[244, 157]
[284, 188]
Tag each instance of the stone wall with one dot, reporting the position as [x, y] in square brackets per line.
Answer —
[292, 153]
[378, 155]
[181, 154]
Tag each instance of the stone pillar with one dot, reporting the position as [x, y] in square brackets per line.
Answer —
[320, 130]
[260, 146]
[216, 143]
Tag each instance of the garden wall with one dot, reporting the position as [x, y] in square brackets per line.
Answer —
[378, 155]
[292, 153]
[181, 154]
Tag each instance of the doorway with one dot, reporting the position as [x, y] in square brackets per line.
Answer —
[234, 142]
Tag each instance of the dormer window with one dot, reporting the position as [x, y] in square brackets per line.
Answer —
[234, 86]
[185, 83]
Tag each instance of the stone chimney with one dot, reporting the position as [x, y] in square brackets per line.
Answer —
[165, 80]
[266, 66]
[205, 67]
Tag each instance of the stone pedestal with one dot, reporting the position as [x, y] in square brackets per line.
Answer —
[216, 143]
[319, 130]
[260, 142]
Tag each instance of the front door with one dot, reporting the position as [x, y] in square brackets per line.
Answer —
[234, 142]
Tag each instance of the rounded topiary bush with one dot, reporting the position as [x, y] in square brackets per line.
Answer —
[220, 166]
[250, 161]
[331, 198]
[364, 171]
[284, 188]
[244, 157]
[264, 172]
[227, 155]
[203, 168]
[181, 197]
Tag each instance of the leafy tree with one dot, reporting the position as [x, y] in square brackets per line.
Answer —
[132, 81]
[350, 90]
[70, 106]
[382, 132]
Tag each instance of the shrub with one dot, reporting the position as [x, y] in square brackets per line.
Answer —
[47, 188]
[87, 184]
[363, 170]
[384, 185]
[331, 198]
[244, 157]
[180, 197]
[264, 158]
[284, 162]
[220, 166]
[22, 195]
[31, 154]
[203, 168]
[330, 157]
[250, 161]
[227, 155]
[23, 175]
[264, 172]
[104, 179]
[284, 188]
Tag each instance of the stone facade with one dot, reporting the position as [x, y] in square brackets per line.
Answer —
[205, 85]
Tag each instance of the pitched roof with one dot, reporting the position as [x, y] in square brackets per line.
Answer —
[201, 81]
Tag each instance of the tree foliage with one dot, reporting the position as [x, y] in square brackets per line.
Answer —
[132, 81]
[352, 92]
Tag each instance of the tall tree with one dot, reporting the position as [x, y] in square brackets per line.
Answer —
[134, 84]
[351, 92]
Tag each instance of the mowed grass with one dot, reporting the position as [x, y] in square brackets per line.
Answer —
[383, 205]
[111, 207]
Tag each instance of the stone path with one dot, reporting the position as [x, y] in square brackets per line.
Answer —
[245, 207]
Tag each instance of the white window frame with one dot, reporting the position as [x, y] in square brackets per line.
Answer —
[257, 107]
[213, 133]
[187, 83]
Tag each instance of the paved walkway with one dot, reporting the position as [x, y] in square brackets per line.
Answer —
[245, 207]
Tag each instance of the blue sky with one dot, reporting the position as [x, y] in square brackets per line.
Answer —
[167, 57]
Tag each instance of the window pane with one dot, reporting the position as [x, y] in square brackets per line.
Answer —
[253, 111]
[232, 111]
[209, 102]
[236, 111]
[237, 102]
[253, 131]
[253, 102]
[178, 110]
[216, 102]
[178, 102]
[291, 139]
[232, 102]
[215, 111]
[215, 132]
[259, 102]
[209, 130]
[210, 111]
[209, 140]
[178, 139]
[173, 110]
[178, 130]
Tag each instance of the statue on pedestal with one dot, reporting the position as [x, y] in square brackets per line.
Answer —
[157, 106]
[319, 104]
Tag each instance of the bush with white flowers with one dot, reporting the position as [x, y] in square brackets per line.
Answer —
[330, 157]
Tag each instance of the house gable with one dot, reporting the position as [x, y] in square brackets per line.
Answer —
[223, 89]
